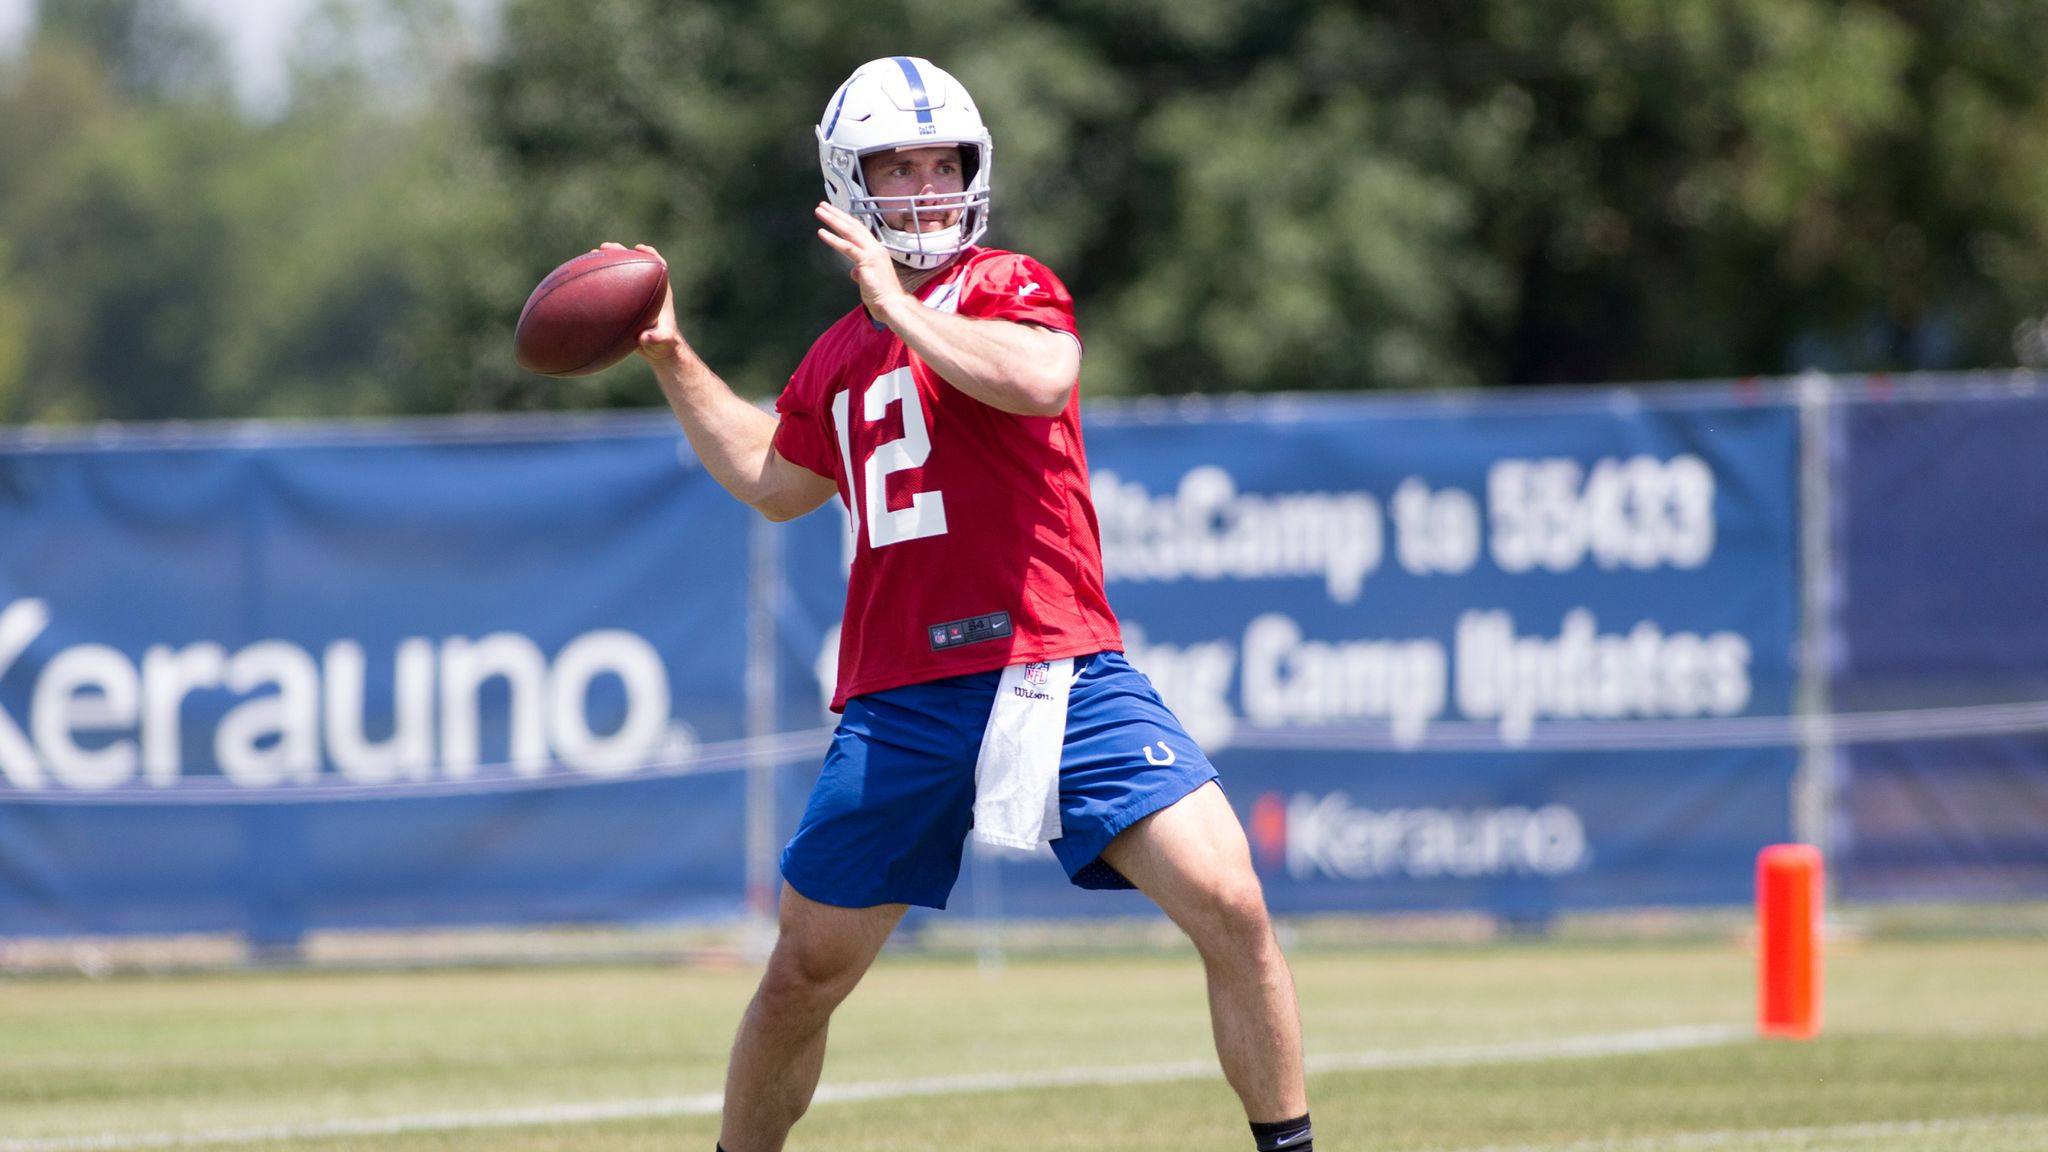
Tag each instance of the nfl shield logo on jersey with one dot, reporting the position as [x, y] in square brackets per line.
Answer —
[1037, 673]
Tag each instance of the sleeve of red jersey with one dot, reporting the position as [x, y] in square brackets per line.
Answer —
[800, 434]
[1013, 286]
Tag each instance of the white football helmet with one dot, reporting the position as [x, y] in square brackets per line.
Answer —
[906, 102]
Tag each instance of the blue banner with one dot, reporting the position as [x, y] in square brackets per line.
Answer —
[435, 674]
[1378, 615]
[1445, 652]
[1943, 549]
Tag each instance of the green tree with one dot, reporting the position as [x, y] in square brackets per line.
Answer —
[1679, 207]
[111, 231]
[1284, 211]
[1243, 194]
[170, 254]
[1260, 195]
[14, 323]
[1231, 209]
[344, 208]
[1962, 199]
[153, 51]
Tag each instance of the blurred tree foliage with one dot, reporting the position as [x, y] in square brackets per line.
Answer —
[165, 253]
[1244, 194]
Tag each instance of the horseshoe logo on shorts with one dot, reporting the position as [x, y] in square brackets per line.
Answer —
[1157, 763]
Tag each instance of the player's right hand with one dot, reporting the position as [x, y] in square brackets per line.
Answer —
[663, 340]
[873, 270]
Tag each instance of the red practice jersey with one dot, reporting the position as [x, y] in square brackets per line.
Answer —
[976, 545]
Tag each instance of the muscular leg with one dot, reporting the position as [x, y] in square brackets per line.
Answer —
[1193, 861]
[821, 954]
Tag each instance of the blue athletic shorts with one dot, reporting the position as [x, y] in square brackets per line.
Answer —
[893, 806]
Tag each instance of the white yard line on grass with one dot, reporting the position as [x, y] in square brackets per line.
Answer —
[1783, 1137]
[706, 1104]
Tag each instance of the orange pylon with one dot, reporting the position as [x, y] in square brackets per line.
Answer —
[1788, 907]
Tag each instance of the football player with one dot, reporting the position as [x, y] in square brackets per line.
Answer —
[981, 680]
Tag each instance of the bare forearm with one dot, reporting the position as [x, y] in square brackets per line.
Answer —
[1014, 367]
[731, 437]
[734, 439]
[1018, 368]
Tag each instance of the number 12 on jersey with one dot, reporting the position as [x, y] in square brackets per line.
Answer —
[926, 515]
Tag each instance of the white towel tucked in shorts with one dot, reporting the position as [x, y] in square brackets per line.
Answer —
[1017, 778]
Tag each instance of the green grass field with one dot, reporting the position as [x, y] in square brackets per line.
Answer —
[1929, 1046]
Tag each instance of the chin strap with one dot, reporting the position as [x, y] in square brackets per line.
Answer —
[912, 250]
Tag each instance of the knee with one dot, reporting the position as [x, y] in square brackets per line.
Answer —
[802, 980]
[1232, 916]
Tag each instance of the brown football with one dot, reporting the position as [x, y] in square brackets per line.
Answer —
[588, 314]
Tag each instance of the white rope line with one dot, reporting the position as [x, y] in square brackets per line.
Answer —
[1842, 728]
[708, 1104]
[490, 779]
[1462, 736]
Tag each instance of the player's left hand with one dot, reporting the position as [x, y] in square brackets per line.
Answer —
[874, 270]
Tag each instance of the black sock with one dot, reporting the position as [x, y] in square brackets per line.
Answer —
[1285, 1135]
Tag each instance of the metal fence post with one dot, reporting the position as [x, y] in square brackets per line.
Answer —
[1813, 785]
[764, 579]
